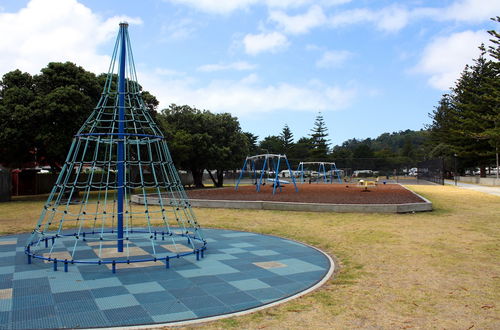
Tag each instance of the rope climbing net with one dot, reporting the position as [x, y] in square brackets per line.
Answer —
[118, 151]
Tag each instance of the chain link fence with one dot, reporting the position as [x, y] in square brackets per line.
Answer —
[432, 170]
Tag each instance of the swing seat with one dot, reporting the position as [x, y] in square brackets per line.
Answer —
[279, 181]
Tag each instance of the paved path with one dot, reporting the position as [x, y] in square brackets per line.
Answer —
[485, 189]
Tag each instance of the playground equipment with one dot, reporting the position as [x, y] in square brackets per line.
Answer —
[368, 184]
[326, 174]
[266, 165]
[88, 217]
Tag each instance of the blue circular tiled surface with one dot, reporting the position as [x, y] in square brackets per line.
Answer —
[240, 271]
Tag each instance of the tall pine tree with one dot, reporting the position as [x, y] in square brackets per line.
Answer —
[474, 113]
[287, 139]
[319, 141]
[493, 95]
[466, 122]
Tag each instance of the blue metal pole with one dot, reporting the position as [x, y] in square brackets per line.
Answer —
[338, 173]
[276, 177]
[301, 167]
[293, 178]
[324, 172]
[261, 174]
[241, 174]
[254, 175]
[121, 130]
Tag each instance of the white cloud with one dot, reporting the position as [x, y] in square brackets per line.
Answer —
[179, 29]
[313, 47]
[445, 57]
[299, 24]
[238, 66]
[395, 17]
[168, 72]
[472, 10]
[333, 58]
[250, 79]
[228, 6]
[57, 30]
[392, 18]
[247, 97]
[264, 42]
[216, 6]
[389, 19]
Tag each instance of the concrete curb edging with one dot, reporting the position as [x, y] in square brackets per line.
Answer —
[424, 206]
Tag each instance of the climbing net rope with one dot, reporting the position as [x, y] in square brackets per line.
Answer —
[119, 151]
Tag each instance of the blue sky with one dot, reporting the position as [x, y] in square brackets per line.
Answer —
[369, 66]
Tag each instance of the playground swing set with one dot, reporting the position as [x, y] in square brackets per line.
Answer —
[326, 171]
[270, 168]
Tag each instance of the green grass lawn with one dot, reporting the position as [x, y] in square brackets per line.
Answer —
[439, 269]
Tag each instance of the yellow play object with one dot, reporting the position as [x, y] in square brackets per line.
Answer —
[368, 183]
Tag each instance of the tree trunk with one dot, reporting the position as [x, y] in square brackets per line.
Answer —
[482, 171]
[220, 178]
[212, 177]
[219, 181]
[197, 177]
[498, 165]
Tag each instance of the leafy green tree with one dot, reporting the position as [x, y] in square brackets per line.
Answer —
[341, 152]
[229, 145]
[300, 151]
[319, 145]
[362, 151]
[40, 114]
[287, 139]
[149, 99]
[18, 123]
[253, 147]
[408, 149]
[272, 144]
[201, 140]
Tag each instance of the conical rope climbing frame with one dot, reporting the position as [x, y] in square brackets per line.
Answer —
[119, 151]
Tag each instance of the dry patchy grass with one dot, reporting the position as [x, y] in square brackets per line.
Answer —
[427, 270]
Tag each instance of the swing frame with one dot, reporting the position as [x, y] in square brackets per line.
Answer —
[322, 171]
[273, 160]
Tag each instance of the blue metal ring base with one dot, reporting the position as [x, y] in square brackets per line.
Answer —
[198, 251]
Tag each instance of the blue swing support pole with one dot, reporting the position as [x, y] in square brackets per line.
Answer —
[301, 169]
[254, 170]
[291, 175]
[274, 162]
[321, 171]
[322, 166]
[262, 174]
[276, 182]
[241, 174]
[337, 171]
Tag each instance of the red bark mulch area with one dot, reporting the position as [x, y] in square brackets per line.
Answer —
[313, 193]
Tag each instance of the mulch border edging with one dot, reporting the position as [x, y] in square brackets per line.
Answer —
[424, 206]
